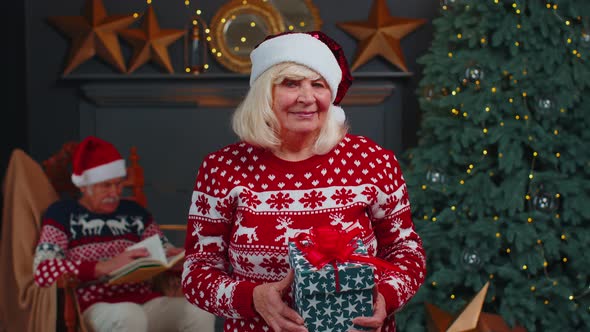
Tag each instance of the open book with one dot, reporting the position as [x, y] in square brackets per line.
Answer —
[145, 268]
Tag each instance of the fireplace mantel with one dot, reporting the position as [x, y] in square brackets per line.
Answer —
[209, 90]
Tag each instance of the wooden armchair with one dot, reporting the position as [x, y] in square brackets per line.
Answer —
[58, 169]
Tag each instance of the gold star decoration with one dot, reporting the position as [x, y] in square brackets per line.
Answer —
[470, 319]
[380, 35]
[151, 42]
[95, 33]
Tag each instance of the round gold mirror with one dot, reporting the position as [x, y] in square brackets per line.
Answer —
[298, 15]
[237, 27]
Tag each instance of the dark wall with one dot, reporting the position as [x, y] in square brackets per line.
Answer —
[13, 127]
[53, 103]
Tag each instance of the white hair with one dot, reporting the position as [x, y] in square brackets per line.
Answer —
[255, 122]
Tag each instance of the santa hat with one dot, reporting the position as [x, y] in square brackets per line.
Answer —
[96, 160]
[314, 50]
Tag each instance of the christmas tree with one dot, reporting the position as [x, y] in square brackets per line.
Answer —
[499, 180]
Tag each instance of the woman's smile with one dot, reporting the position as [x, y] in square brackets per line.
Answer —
[301, 106]
[304, 114]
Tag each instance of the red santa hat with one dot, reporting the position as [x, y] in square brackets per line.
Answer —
[96, 160]
[312, 49]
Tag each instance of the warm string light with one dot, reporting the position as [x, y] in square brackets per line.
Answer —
[195, 23]
[484, 130]
[531, 176]
[198, 12]
[568, 24]
[471, 168]
[541, 251]
[242, 38]
[555, 282]
[531, 173]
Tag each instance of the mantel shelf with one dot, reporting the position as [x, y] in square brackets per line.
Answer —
[209, 89]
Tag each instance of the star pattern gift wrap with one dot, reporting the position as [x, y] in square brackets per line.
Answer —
[329, 299]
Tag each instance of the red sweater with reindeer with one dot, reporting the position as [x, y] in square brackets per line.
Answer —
[247, 204]
[73, 239]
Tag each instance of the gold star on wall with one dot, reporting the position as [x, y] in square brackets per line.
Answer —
[151, 42]
[95, 33]
[380, 35]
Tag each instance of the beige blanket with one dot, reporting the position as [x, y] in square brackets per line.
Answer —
[27, 193]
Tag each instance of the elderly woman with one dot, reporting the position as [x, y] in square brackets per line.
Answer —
[295, 168]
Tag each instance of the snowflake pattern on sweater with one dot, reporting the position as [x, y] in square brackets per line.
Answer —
[247, 204]
[73, 239]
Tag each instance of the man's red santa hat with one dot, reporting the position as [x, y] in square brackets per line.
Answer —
[96, 160]
[313, 49]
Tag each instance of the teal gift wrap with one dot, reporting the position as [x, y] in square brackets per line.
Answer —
[328, 300]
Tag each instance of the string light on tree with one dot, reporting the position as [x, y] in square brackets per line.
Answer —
[483, 41]
[448, 4]
[525, 141]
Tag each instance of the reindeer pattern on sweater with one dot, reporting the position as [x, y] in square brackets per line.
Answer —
[73, 239]
[247, 204]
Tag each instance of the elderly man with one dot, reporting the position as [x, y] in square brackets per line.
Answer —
[88, 237]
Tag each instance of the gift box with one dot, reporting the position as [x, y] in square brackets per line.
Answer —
[328, 298]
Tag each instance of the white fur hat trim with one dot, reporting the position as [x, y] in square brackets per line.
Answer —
[114, 169]
[300, 48]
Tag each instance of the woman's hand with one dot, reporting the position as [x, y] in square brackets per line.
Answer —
[375, 322]
[268, 302]
[124, 258]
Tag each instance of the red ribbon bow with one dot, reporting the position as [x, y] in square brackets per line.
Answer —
[327, 245]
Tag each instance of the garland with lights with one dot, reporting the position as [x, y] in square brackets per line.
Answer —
[196, 41]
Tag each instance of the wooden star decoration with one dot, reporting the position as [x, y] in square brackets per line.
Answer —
[151, 42]
[380, 35]
[95, 33]
[470, 319]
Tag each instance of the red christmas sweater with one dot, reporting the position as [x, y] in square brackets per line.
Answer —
[73, 239]
[247, 204]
